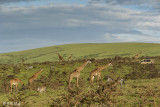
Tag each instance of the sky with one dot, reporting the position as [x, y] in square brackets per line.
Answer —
[29, 24]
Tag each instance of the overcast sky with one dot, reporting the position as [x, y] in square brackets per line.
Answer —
[29, 24]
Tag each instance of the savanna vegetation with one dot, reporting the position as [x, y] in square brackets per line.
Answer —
[142, 87]
[141, 84]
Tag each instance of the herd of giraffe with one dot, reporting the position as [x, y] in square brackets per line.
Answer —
[95, 73]
[75, 74]
[61, 59]
[31, 80]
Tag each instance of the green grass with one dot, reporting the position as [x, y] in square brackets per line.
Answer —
[81, 51]
[138, 92]
[133, 94]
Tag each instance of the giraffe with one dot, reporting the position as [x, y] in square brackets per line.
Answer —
[97, 72]
[15, 82]
[136, 56]
[33, 78]
[76, 72]
[60, 58]
[70, 58]
[23, 60]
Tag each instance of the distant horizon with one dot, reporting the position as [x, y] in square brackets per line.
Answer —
[73, 43]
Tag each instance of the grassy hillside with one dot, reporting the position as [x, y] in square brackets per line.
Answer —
[81, 51]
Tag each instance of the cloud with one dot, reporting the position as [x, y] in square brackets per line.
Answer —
[76, 23]
[112, 19]
[15, 1]
[131, 38]
[151, 4]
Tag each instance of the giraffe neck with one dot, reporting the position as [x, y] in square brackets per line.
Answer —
[59, 55]
[103, 67]
[36, 74]
[82, 66]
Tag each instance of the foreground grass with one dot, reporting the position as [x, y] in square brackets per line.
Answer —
[137, 92]
[145, 93]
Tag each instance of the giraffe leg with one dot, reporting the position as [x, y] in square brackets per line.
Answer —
[91, 81]
[33, 85]
[11, 88]
[70, 79]
[16, 87]
[99, 77]
[77, 82]
[30, 85]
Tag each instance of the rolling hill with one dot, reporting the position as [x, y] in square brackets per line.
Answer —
[81, 51]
